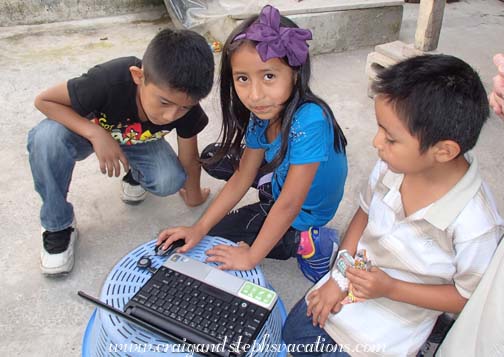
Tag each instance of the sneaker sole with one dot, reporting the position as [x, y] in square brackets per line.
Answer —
[64, 269]
[132, 202]
[59, 271]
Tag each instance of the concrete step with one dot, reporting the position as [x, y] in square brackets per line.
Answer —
[337, 25]
[31, 12]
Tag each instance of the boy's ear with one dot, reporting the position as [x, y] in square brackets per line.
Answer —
[136, 74]
[446, 150]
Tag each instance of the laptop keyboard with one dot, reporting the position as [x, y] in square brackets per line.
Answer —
[200, 308]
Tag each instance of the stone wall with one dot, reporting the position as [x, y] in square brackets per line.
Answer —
[29, 12]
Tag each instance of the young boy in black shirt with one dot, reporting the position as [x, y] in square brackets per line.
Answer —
[121, 110]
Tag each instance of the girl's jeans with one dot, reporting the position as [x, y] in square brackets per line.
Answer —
[54, 150]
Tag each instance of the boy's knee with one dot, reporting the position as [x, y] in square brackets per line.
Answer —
[166, 185]
[46, 137]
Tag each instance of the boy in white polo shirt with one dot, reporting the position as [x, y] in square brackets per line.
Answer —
[426, 220]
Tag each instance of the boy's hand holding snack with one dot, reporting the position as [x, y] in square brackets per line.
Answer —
[371, 284]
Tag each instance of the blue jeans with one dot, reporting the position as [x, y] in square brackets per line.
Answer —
[54, 150]
[299, 330]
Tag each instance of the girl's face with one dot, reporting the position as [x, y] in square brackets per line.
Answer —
[263, 87]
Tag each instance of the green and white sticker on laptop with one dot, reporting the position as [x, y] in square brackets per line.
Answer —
[257, 294]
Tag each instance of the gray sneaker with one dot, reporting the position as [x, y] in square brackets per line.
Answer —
[132, 192]
[57, 254]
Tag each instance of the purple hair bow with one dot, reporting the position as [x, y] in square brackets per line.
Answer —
[275, 41]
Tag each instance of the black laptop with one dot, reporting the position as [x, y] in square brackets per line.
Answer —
[190, 302]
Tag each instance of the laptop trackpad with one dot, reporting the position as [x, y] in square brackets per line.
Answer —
[203, 272]
[224, 281]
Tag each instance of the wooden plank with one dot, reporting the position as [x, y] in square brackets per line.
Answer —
[398, 50]
[430, 19]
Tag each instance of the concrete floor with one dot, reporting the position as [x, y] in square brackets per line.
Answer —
[45, 317]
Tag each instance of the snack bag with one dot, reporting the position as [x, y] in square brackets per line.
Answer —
[362, 262]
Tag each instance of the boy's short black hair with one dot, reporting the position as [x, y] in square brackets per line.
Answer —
[180, 59]
[438, 97]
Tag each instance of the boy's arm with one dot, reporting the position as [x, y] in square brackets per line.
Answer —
[55, 104]
[327, 298]
[354, 232]
[435, 297]
[472, 258]
[376, 283]
[188, 155]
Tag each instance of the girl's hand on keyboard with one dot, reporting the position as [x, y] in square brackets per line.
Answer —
[231, 258]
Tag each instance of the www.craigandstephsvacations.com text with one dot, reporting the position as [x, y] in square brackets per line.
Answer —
[258, 346]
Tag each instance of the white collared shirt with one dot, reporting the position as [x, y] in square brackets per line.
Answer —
[451, 241]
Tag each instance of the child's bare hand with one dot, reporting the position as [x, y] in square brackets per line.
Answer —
[193, 199]
[191, 235]
[231, 258]
[370, 284]
[496, 97]
[324, 300]
[108, 152]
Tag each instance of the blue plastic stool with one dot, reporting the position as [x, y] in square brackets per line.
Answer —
[109, 335]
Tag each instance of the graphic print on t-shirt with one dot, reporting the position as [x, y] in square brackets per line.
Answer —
[129, 134]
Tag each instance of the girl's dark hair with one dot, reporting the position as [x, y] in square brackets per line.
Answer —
[235, 116]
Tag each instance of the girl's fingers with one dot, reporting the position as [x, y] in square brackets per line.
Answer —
[187, 246]
[165, 234]
[172, 238]
[217, 259]
[220, 249]
[215, 256]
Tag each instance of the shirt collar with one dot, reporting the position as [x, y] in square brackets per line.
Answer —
[443, 212]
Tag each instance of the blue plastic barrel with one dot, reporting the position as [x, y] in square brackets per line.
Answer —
[109, 335]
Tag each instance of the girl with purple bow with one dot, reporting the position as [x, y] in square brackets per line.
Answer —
[294, 153]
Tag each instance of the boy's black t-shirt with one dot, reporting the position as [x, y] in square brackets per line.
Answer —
[106, 95]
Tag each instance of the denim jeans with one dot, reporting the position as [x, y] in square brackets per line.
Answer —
[299, 330]
[54, 150]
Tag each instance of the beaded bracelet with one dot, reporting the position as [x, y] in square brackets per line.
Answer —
[339, 279]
